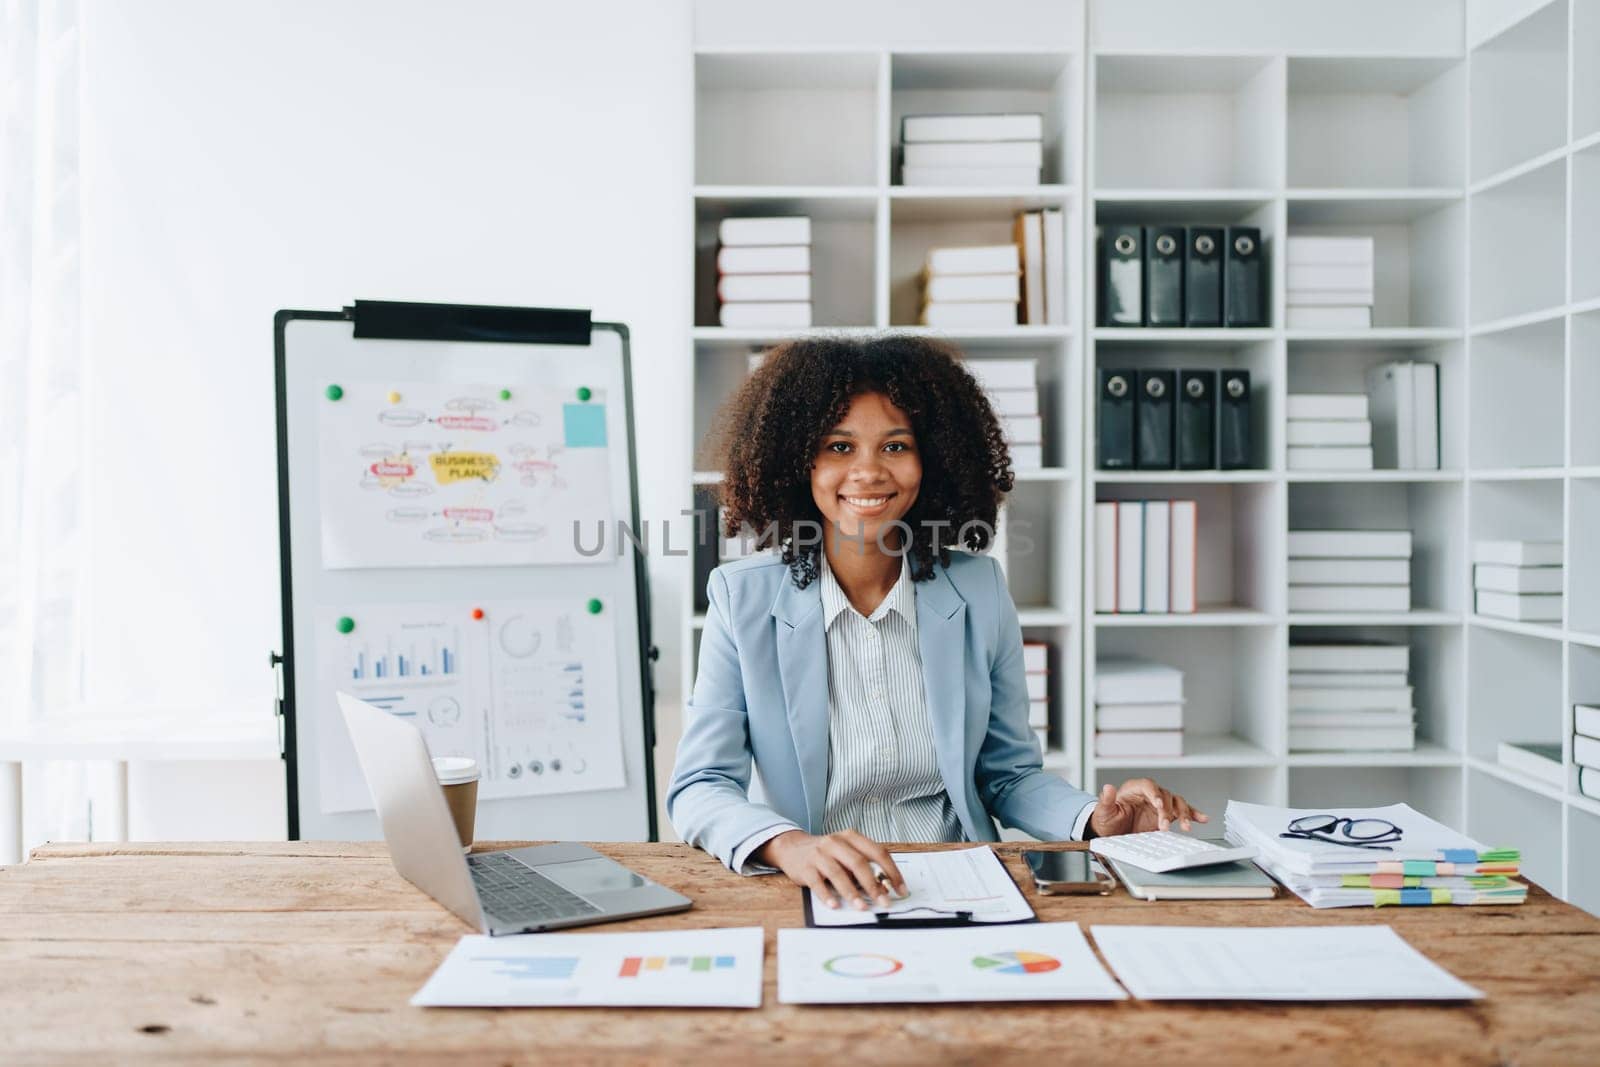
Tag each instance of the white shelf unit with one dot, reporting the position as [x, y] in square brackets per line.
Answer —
[815, 131]
[1533, 358]
[1280, 121]
[1471, 161]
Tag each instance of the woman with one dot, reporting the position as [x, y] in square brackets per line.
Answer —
[873, 676]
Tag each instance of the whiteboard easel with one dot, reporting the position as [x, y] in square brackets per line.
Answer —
[340, 365]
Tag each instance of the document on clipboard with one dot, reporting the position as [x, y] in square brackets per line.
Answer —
[968, 887]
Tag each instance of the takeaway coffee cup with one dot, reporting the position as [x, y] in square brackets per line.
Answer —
[458, 777]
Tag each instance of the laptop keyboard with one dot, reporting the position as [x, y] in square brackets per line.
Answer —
[514, 892]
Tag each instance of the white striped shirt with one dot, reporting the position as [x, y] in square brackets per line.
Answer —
[883, 771]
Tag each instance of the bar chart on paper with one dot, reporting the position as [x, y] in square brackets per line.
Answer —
[422, 650]
[687, 968]
[637, 966]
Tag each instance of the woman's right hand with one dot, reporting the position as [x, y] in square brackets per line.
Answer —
[835, 867]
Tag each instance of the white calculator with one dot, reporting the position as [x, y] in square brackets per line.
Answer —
[1163, 850]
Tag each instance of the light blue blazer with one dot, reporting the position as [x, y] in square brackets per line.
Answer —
[762, 693]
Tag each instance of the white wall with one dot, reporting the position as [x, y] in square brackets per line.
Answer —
[243, 157]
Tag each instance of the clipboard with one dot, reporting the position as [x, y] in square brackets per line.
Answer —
[973, 876]
[887, 921]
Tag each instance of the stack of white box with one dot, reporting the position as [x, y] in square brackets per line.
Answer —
[1013, 390]
[1036, 662]
[1350, 698]
[1329, 284]
[1138, 709]
[1329, 432]
[764, 272]
[1349, 570]
[972, 288]
[1000, 150]
[1518, 580]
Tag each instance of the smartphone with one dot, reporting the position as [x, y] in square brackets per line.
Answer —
[1068, 872]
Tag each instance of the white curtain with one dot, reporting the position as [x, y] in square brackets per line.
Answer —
[43, 400]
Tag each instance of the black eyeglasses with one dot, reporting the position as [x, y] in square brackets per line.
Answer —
[1351, 833]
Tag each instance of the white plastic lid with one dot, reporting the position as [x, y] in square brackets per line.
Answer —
[454, 770]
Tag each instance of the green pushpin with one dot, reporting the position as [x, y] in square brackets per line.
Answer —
[594, 606]
[505, 394]
[346, 624]
[584, 394]
[334, 392]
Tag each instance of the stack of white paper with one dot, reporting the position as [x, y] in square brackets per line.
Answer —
[973, 288]
[1138, 708]
[1350, 698]
[970, 150]
[1329, 431]
[1036, 666]
[764, 272]
[1519, 580]
[1586, 748]
[1429, 863]
[1349, 570]
[1329, 284]
[1012, 386]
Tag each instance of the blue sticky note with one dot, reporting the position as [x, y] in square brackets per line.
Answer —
[1459, 855]
[584, 424]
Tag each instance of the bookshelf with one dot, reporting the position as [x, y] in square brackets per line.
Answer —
[870, 237]
[1479, 128]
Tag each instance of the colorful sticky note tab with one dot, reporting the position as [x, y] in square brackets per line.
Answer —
[584, 425]
[1459, 855]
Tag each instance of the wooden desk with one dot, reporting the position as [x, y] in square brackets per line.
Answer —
[310, 950]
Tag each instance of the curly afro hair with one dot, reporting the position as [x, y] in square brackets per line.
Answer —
[771, 427]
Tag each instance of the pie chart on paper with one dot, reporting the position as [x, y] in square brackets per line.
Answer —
[1016, 963]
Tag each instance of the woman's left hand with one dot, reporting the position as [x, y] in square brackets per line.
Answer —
[1140, 805]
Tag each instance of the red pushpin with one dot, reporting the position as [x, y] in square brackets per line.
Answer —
[477, 613]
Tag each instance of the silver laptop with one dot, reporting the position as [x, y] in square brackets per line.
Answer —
[517, 891]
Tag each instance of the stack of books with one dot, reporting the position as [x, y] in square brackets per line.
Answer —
[1329, 284]
[971, 288]
[1349, 570]
[1586, 748]
[1404, 398]
[764, 272]
[1426, 863]
[1012, 387]
[1350, 698]
[972, 149]
[1145, 556]
[1138, 709]
[1518, 580]
[1329, 432]
[1036, 662]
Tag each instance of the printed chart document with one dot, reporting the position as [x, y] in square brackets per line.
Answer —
[938, 885]
[1274, 963]
[1045, 961]
[676, 968]
[528, 688]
